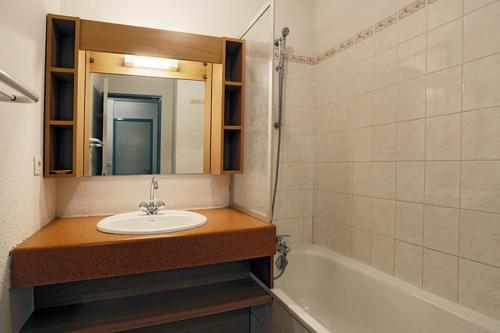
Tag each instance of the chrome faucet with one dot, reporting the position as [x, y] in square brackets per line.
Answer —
[151, 207]
[282, 250]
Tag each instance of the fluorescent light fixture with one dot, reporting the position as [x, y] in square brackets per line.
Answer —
[151, 62]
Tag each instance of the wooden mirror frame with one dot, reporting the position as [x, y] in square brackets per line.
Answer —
[225, 157]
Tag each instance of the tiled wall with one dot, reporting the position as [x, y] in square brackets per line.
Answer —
[407, 149]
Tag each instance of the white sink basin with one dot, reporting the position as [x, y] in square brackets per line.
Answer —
[138, 223]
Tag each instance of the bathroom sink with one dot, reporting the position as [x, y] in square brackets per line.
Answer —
[138, 223]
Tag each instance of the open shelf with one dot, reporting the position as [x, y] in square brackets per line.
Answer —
[61, 87]
[232, 105]
[61, 97]
[234, 61]
[148, 309]
[237, 321]
[61, 150]
[63, 43]
[232, 150]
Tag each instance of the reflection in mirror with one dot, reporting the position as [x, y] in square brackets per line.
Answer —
[145, 124]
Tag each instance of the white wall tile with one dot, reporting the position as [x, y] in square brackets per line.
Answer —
[385, 68]
[412, 25]
[480, 134]
[443, 137]
[444, 91]
[363, 110]
[445, 46]
[479, 287]
[342, 177]
[411, 100]
[481, 186]
[342, 239]
[384, 180]
[410, 181]
[363, 178]
[384, 142]
[411, 58]
[481, 83]
[386, 38]
[480, 237]
[442, 183]
[383, 217]
[383, 253]
[408, 262]
[440, 274]
[385, 105]
[409, 222]
[362, 212]
[342, 209]
[323, 233]
[362, 144]
[361, 245]
[481, 32]
[363, 76]
[443, 11]
[470, 5]
[411, 140]
[323, 205]
[441, 229]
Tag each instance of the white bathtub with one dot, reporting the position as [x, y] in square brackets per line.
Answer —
[327, 292]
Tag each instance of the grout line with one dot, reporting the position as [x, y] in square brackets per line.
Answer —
[405, 121]
[397, 148]
[425, 131]
[406, 201]
[461, 154]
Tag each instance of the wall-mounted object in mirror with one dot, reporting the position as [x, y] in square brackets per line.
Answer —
[146, 115]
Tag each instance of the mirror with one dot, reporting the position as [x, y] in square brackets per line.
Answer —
[146, 115]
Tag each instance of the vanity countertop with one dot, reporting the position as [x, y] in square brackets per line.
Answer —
[71, 249]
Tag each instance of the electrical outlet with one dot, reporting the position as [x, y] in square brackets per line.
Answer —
[37, 165]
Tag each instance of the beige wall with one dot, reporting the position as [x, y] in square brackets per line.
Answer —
[194, 16]
[118, 194]
[27, 202]
[406, 151]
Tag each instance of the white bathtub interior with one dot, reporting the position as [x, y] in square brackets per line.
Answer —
[331, 293]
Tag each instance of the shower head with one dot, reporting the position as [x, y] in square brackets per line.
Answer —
[285, 31]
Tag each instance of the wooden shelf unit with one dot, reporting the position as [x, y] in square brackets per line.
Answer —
[228, 109]
[63, 112]
[125, 313]
[162, 301]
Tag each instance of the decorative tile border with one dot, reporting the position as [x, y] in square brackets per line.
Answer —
[406, 11]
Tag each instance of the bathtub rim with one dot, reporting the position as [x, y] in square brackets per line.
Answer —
[312, 324]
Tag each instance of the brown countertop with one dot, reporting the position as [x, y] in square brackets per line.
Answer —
[71, 249]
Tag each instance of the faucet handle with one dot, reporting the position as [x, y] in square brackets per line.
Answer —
[160, 205]
[144, 206]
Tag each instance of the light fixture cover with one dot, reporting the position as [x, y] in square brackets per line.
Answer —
[151, 62]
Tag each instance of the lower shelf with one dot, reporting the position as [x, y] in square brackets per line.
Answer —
[237, 321]
[149, 309]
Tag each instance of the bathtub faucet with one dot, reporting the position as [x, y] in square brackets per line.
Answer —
[282, 250]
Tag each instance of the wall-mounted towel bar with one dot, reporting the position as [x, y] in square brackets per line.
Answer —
[27, 96]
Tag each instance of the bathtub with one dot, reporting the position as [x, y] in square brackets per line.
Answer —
[327, 292]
